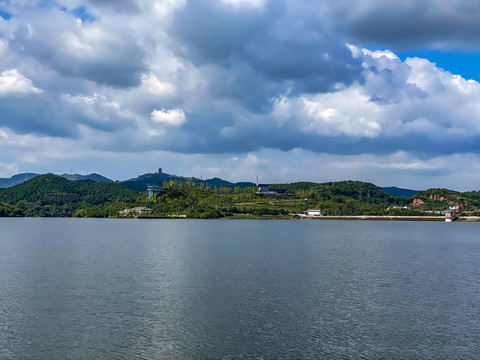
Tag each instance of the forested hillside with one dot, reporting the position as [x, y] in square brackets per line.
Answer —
[433, 199]
[51, 195]
[141, 182]
[357, 190]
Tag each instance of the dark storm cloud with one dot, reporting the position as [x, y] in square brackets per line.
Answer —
[106, 57]
[420, 146]
[37, 115]
[228, 68]
[119, 6]
[265, 50]
[211, 140]
[59, 116]
[409, 23]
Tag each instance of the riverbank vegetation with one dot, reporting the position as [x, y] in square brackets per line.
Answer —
[51, 195]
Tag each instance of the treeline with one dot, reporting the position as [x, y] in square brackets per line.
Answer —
[7, 210]
[440, 199]
[51, 195]
[350, 198]
[220, 189]
[356, 190]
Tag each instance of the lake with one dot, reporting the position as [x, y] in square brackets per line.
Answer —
[238, 289]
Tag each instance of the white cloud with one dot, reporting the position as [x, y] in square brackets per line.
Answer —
[348, 112]
[14, 83]
[138, 62]
[90, 100]
[396, 99]
[375, 54]
[247, 3]
[3, 47]
[100, 112]
[8, 170]
[171, 117]
[154, 86]
[164, 8]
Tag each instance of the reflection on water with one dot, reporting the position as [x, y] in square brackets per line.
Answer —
[132, 289]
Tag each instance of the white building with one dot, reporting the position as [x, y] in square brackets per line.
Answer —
[313, 212]
[136, 211]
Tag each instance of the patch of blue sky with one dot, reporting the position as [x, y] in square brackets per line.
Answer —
[82, 13]
[49, 4]
[5, 15]
[466, 64]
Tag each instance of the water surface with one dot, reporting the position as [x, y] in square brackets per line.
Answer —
[149, 289]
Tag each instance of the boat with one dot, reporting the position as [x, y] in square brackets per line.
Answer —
[449, 216]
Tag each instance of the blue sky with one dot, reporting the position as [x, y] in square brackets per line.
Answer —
[464, 63]
[378, 91]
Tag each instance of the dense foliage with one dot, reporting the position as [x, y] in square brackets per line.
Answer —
[357, 190]
[7, 210]
[50, 195]
[141, 182]
[435, 199]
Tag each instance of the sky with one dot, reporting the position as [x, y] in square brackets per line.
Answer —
[287, 90]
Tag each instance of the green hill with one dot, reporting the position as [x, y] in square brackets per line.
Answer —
[52, 195]
[440, 198]
[7, 210]
[141, 182]
[356, 190]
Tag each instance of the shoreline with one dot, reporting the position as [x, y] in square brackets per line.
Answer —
[392, 218]
[328, 217]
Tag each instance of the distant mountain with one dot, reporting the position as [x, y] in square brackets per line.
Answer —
[16, 179]
[141, 182]
[92, 177]
[395, 191]
[220, 182]
[20, 178]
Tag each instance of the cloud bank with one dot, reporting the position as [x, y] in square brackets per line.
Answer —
[221, 79]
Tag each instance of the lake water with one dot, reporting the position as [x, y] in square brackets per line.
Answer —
[239, 289]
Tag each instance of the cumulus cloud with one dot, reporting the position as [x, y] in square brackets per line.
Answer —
[122, 6]
[409, 23]
[99, 112]
[349, 112]
[248, 3]
[8, 170]
[103, 51]
[263, 52]
[156, 87]
[14, 83]
[171, 117]
[257, 79]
